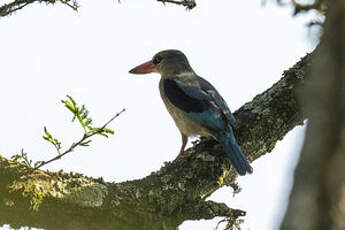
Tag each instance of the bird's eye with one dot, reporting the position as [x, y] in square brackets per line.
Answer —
[156, 60]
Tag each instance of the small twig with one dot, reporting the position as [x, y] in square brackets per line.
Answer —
[219, 222]
[74, 145]
[233, 223]
[74, 6]
[189, 4]
[116, 115]
[26, 160]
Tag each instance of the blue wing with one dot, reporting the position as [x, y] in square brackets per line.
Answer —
[206, 86]
[203, 104]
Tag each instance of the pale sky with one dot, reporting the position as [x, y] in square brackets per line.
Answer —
[241, 47]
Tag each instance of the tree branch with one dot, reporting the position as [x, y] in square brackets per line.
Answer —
[9, 8]
[165, 198]
[189, 4]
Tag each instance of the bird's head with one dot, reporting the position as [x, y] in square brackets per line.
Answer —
[166, 62]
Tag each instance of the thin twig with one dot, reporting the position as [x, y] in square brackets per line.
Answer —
[116, 115]
[74, 145]
[233, 221]
[189, 4]
[75, 6]
[26, 160]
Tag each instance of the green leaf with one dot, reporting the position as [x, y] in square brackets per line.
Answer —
[69, 106]
[56, 141]
[72, 100]
[96, 129]
[80, 120]
[16, 157]
[109, 131]
[103, 134]
[47, 133]
[88, 121]
[85, 143]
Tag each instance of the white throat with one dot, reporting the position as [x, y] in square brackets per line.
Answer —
[186, 74]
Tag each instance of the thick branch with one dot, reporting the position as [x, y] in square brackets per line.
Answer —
[162, 200]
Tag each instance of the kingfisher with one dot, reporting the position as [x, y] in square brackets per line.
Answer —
[194, 104]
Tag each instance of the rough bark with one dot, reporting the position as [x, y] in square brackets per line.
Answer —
[317, 200]
[165, 198]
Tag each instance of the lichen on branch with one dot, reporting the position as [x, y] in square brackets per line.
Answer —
[167, 197]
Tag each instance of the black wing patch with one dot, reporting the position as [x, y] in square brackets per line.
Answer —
[181, 100]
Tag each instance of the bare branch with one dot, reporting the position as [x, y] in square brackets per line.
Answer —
[106, 124]
[16, 5]
[189, 4]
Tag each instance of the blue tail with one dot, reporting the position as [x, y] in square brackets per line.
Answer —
[234, 153]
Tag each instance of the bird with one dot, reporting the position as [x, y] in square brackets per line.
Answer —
[194, 104]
